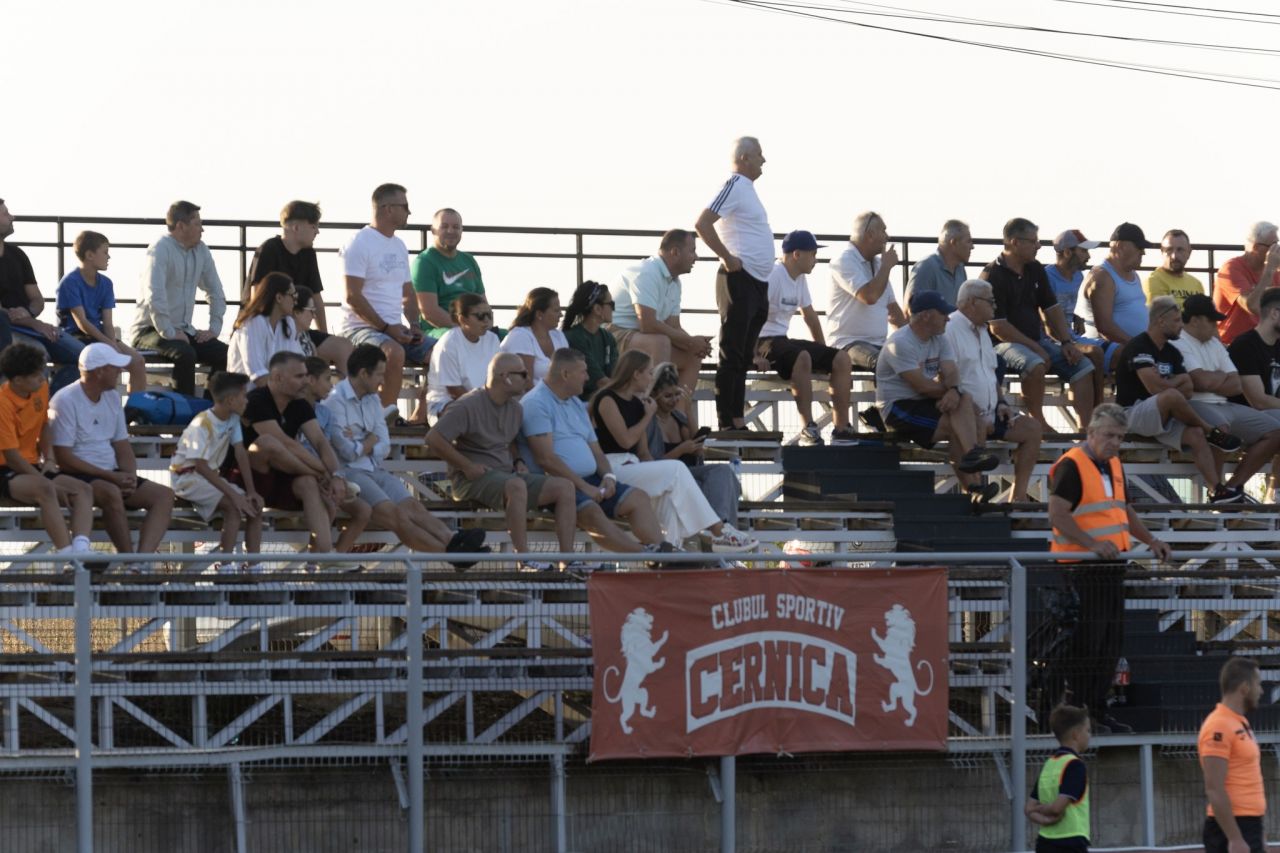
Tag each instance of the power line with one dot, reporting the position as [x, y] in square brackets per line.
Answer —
[1171, 10]
[1197, 8]
[1186, 74]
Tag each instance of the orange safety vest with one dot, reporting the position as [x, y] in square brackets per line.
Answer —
[1102, 517]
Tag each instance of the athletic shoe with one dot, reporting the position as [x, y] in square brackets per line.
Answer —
[984, 493]
[976, 461]
[535, 566]
[811, 436]
[731, 539]
[844, 435]
[468, 541]
[1226, 495]
[663, 547]
[871, 417]
[1223, 440]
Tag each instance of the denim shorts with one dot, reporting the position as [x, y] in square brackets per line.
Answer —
[1019, 359]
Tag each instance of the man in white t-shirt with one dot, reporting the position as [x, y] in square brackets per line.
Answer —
[380, 306]
[1214, 378]
[862, 304]
[91, 443]
[734, 226]
[797, 360]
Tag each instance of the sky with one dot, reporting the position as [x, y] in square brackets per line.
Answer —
[619, 114]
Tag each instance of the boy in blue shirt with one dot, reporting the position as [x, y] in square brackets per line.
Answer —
[1059, 802]
[86, 299]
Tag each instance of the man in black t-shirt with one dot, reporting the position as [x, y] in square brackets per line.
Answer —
[1256, 355]
[287, 474]
[291, 252]
[1153, 385]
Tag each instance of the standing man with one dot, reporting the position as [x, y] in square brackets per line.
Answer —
[20, 304]
[380, 307]
[442, 273]
[1025, 305]
[1232, 763]
[1171, 278]
[13, 262]
[1236, 292]
[177, 265]
[862, 306]
[943, 272]
[736, 228]
[1090, 514]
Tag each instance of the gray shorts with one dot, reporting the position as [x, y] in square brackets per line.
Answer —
[376, 486]
[1144, 420]
[419, 353]
[1246, 423]
[490, 488]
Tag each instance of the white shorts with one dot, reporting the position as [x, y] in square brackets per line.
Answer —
[202, 494]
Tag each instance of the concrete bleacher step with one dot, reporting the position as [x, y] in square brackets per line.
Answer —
[840, 457]
[877, 485]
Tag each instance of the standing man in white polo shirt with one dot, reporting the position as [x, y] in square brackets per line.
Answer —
[381, 307]
[736, 228]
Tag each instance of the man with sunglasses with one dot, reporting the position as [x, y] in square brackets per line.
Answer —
[1236, 292]
[442, 273]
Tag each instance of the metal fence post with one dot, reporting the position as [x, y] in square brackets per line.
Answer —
[1018, 707]
[84, 711]
[560, 839]
[728, 803]
[413, 704]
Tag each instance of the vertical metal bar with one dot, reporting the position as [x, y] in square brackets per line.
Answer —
[578, 242]
[561, 840]
[1148, 777]
[84, 712]
[244, 261]
[62, 249]
[236, 781]
[413, 704]
[728, 806]
[1018, 711]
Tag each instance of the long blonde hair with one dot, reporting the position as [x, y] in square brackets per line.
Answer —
[631, 362]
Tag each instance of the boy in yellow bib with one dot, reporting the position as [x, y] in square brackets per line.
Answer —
[1059, 802]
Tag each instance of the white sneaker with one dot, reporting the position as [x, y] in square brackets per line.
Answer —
[811, 436]
[732, 539]
[81, 545]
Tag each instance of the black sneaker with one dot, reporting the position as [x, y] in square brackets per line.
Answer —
[976, 461]
[468, 541]
[1226, 495]
[1219, 438]
[984, 493]
[663, 547]
[1115, 727]
[871, 417]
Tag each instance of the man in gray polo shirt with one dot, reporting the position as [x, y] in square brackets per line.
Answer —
[734, 225]
[943, 272]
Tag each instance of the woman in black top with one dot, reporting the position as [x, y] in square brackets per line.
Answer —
[622, 412]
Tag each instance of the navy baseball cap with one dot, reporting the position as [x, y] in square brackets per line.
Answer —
[929, 300]
[800, 241]
[1133, 234]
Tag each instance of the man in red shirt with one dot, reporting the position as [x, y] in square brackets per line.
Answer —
[1236, 292]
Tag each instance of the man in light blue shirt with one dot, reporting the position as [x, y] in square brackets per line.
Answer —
[943, 272]
[357, 429]
[557, 439]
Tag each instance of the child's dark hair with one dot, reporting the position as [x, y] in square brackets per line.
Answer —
[317, 366]
[1064, 718]
[225, 383]
[22, 360]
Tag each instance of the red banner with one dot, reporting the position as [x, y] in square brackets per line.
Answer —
[733, 663]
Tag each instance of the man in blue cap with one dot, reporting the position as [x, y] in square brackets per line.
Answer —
[918, 389]
[797, 360]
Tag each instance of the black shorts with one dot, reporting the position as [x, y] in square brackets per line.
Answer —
[916, 419]
[93, 478]
[1215, 840]
[318, 337]
[1075, 844]
[7, 474]
[276, 487]
[782, 353]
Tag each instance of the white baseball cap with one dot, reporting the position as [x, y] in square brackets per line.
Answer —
[102, 355]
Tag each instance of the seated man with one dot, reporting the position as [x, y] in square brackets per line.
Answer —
[1215, 379]
[1171, 277]
[177, 265]
[861, 305]
[797, 360]
[1153, 385]
[357, 429]
[557, 439]
[976, 362]
[442, 273]
[1112, 304]
[27, 475]
[1066, 274]
[1256, 357]
[87, 299]
[918, 390]
[21, 303]
[287, 474]
[1025, 305]
[1236, 290]
[646, 308]
[475, 436]
[380, 307]
[91, 443]
[943, 272]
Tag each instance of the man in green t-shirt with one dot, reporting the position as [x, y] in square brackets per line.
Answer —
[442, 273]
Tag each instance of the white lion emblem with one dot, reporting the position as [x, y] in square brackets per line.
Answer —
[639, 649]
[898, 642]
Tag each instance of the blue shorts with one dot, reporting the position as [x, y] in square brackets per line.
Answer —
[609, 506]
[1108, 349]
[1020, 359]
[418, 353]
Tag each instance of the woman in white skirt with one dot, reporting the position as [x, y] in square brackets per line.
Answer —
[621, 412]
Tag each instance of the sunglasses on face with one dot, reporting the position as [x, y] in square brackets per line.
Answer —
[483, 315]
[523, 374]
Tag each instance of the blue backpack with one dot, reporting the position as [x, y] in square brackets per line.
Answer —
[163, 408]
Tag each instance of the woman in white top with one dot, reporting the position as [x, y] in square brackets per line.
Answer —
[264, 328]
[460, 360]
[534, 336]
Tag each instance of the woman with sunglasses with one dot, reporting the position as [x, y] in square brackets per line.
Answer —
[584, 319]
[460, 361]
[334, 349]
[534, 336]
[264, 327]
